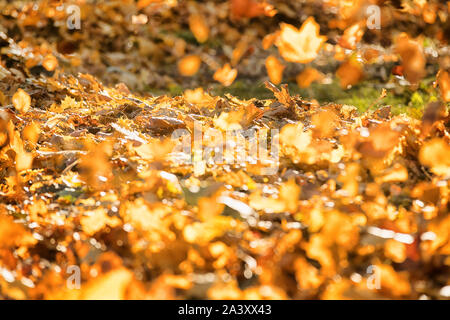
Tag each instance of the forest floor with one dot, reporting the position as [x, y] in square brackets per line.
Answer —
[107, 189]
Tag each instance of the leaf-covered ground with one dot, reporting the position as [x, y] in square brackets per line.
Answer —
[91, 178]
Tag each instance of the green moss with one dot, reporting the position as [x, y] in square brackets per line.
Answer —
[365, 95]
[187, 36]
[175, 89]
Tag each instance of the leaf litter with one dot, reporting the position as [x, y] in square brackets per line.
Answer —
[91, 178]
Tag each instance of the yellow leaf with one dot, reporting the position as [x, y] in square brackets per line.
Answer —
[435, 154]
[199, 27]
[50, 62]
[275, 69]
[96, 220]
[225, 75]
[349, 73]
[308, 76]
[444, 85]
[300, 45]
[189, 65]
[21, 101]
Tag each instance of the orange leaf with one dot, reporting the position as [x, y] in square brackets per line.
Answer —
[21, 101]
[111, 286]
[225, 75]
[189, 65]
[199, 27]
[50, 62]
[352, 35]
[350, 73]
[300, 45]
[435, 154]
[13, 234]
[275, 69]
[413, 58]
[251, 9]
[444, 85]
[269, 39]
[308, 76]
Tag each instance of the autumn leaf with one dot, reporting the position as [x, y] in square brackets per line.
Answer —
[189, 65]
[352, 35]
[308, 76]
[444, 84]
[21, 101]
[199, 27]
[225, 75]
[111, 286]
[269, 40]
[300, 45]
[275, 69]
[350, 73]
[413, 59]
[251, 8]
[435, 154]
[50, 63]
[97, 220]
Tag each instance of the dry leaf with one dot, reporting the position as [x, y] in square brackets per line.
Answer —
[435, 154]
[251, 8]
[21, 101]
[275, 69]
[225, 75]
[199, 27]
[300, 45]
[350, 73]
[444, 85]
[308, 76]
[189, 65]
[50, 63]
[413, 58]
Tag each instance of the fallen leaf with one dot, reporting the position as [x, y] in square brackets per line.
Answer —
[21, 101]
[225, 75]
[300, 45]
[189, 65]
[199, 27]
[275, 69]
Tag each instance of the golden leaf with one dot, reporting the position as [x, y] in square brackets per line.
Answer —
[300, 45]
[435, 154]
[352, 35]
[199, 27]
[96, 220]
[275, 69]
[308, 76]
[189, 65]
[444, 85]
[204, 232]
[225, 75]
[350, 72]
[413, 58]
[21, 101]
[31, 132]
[50, 62]
[251, 8]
